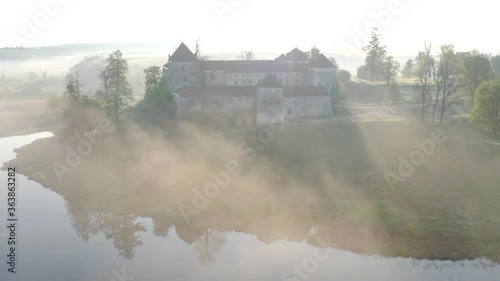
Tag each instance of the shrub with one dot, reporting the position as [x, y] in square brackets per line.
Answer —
[345, 76]
[393, 93]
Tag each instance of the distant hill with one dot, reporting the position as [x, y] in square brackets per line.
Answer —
[76, 49]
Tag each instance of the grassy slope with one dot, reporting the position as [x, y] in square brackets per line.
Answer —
[449, 205]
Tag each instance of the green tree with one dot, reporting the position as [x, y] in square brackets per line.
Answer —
[116, 92]
[495, 63]
[393, 93]
[334, 61]
[336, 93]
[486, 112]
[78, 113]
[446, 78]
[159, 104]
[408, 69]
[424, 63]
[363, 72]
[390, 69]
[153, 78]
[475, 70]
[313, 53]
[203, 76]
[345, 76]
[375, 55]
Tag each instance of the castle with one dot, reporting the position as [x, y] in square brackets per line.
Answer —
[252, 92]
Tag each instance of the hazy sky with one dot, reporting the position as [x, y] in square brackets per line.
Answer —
[256, 25]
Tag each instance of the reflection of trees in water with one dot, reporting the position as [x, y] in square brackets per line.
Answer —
[161, 226]
[208, 246]
[123, 230]
[84, 222]
[118, 222]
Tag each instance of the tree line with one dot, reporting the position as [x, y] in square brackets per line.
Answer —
[78, 113]
[447, 79]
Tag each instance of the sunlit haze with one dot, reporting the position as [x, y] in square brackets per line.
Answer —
[258, 25]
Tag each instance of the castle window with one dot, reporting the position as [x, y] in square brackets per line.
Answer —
[259, 74]
[182, 68]
[249, 81]
[236, 75]
[244, 81]
[296, 81]
[250, 74]
[235, 82]
[324, 75]
[185, 79]
[289, 111]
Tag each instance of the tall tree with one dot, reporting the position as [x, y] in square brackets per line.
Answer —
[475, 70]
[336, 93]
[408, 69]
[118, 95]
[423, 70]
[78, 112]
[152, 79]
[486, 112]
[344, 76]
[390, 69]
[313, 53]
[375, 54]
[159, 104]
[495, 63]
[334, 61]
[447, 79]
[202, 75]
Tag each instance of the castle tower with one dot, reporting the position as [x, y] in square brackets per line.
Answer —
[321, 72]
[181, 69]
